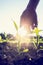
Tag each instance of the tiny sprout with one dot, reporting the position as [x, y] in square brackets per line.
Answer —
[25, 50]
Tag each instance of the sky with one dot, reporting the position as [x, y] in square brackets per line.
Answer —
[11, 10]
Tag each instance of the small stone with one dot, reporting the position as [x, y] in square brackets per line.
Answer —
[5, 56]
[30, 59]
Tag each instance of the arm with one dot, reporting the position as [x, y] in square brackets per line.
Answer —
[32, 4]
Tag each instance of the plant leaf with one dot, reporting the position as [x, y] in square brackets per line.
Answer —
[15, 25]
[25, 50]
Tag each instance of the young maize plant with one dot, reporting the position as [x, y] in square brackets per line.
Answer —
[36, 31]
[19, 41]
[2, 38]
[18, 44]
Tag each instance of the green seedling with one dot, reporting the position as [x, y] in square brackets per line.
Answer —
[36, 31]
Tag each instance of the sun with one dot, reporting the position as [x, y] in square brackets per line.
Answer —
[22, 31]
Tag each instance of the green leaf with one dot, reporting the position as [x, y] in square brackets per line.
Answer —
[41, 47]
[25, 50]
[15, 25]
[36, 30]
